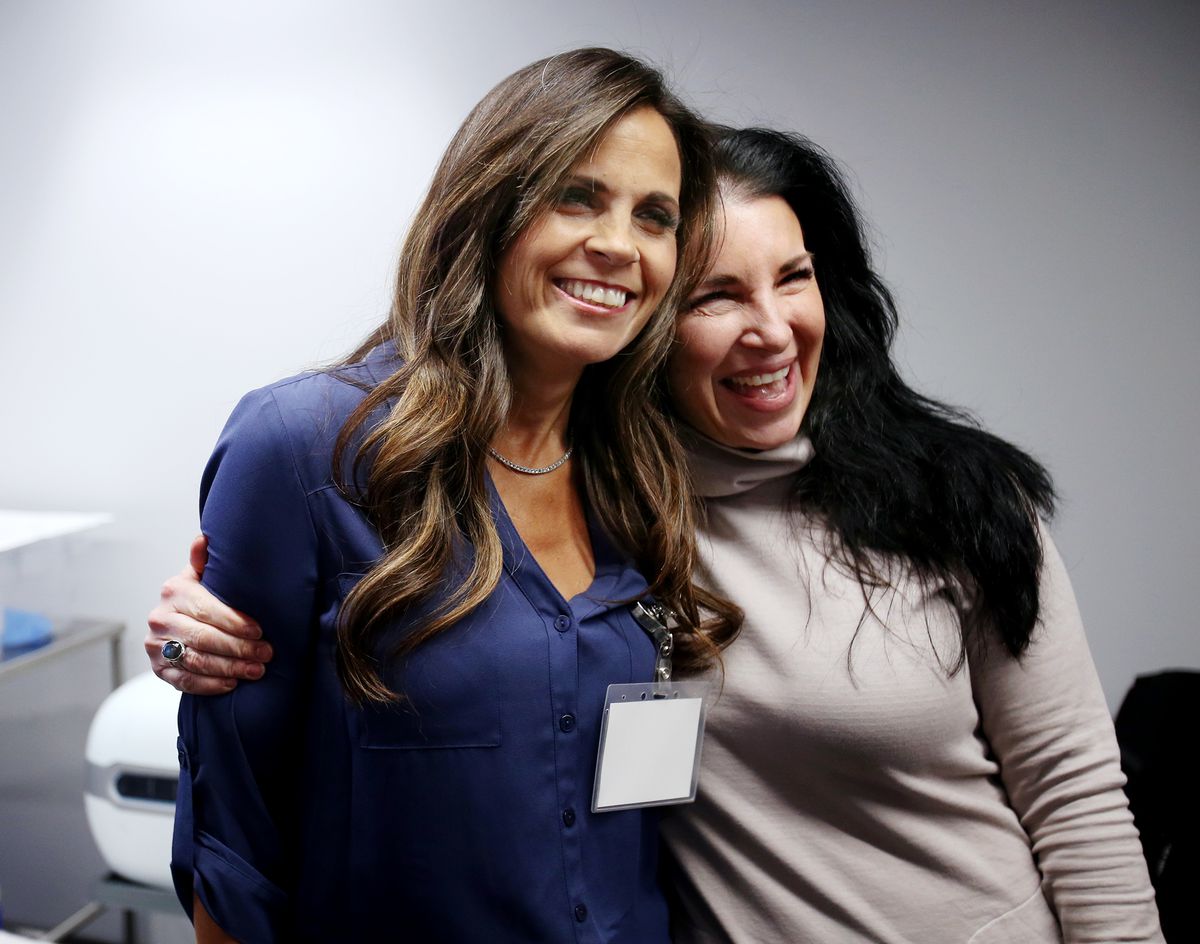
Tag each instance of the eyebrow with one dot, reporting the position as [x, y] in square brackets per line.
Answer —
[793, 264]
[598, 186]
[721, 281]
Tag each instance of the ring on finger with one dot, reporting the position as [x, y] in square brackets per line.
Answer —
[173, 651]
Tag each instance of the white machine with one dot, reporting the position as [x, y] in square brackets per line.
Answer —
[132, 778]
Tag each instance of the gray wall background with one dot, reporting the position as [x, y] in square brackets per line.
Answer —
[196, 199]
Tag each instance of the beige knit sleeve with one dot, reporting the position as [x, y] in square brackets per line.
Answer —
[1047, 722]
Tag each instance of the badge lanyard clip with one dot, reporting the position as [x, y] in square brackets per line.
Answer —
[653, 618]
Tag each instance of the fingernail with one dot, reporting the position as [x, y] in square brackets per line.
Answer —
[254, 671]
[263, 653]
[230, 686]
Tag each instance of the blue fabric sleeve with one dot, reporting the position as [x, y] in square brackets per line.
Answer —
[241, 753]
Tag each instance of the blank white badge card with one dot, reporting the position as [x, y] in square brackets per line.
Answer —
[650, 744]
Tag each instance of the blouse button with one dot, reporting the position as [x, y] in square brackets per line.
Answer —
[562, 623]
[566, 723]
[581, 913]
[568, 817]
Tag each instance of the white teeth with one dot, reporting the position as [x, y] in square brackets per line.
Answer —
[760, 380]
[595, 294]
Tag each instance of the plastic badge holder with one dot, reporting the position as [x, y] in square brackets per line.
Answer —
[650, 741]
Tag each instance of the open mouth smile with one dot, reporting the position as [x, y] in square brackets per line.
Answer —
[597, 294]
[764, 386]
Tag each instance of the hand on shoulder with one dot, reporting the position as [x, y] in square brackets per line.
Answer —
[222, 645]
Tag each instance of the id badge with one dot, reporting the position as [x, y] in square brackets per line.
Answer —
[650, 740]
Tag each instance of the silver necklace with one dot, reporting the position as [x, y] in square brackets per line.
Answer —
[508, 463]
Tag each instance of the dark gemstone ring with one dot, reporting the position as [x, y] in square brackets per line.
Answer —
[173, 651]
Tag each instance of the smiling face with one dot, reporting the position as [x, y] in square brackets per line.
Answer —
[582, 280]
[749, 340]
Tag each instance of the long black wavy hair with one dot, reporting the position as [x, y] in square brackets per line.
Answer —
[896, 476]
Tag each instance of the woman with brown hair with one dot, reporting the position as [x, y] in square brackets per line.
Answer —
[447, 528]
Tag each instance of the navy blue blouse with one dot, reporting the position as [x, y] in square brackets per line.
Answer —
[463, 817]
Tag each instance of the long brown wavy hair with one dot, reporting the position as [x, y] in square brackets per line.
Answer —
[419, 438]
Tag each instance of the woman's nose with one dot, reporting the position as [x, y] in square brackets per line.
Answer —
[769, 327]
[614, 240]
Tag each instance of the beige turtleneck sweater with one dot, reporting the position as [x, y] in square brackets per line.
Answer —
[853, 790]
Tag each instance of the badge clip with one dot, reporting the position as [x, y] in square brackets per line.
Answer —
[653, 618]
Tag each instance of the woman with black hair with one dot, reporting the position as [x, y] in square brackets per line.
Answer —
[910, 742]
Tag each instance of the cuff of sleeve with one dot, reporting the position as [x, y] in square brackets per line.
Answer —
[240, 899]
[243, 903]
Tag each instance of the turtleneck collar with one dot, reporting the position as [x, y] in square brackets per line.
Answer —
[719, 470]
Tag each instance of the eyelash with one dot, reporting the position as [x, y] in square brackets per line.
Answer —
[660, 217]
[706, 299]
[575, 195]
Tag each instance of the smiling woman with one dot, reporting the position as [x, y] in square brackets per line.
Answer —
[449, 528]
[575, 288]
[579, 284]
[750, 336]
[911, 743]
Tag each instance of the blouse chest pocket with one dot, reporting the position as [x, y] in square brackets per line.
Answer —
[451, 694]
